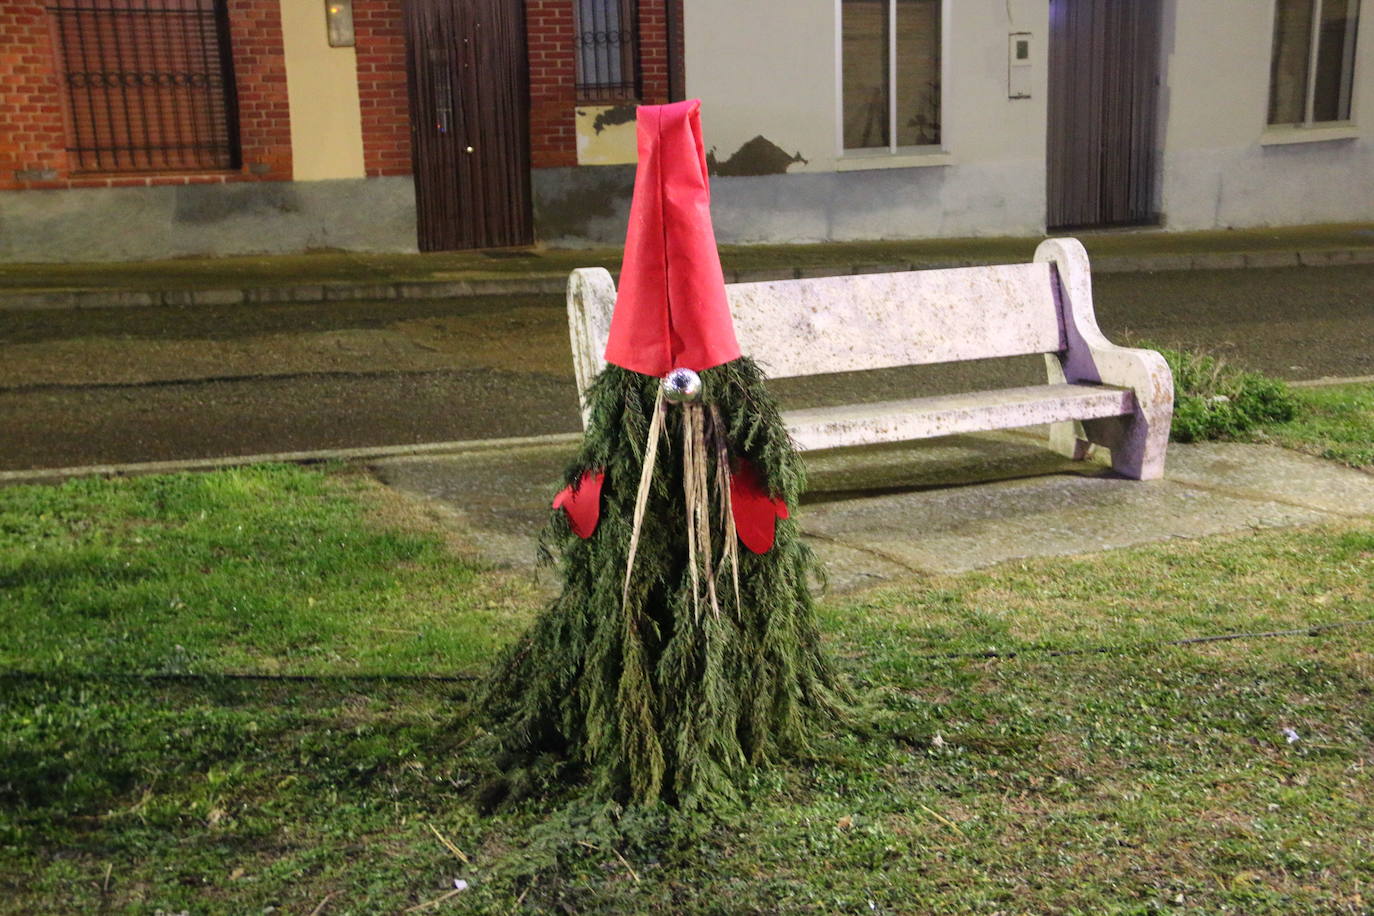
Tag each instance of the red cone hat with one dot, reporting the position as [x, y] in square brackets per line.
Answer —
[671, 312]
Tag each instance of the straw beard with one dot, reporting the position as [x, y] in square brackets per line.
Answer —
[698, 428]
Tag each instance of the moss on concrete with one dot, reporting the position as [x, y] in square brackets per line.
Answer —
[350, 267]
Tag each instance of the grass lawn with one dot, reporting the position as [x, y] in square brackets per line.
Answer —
[1334, 421]
[1087, 767]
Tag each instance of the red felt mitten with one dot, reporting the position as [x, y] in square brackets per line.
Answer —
[582, 504]
[756, 513]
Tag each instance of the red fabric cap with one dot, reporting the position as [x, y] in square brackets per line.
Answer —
[583, 504]
[671, 311]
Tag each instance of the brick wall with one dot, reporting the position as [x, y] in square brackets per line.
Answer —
[381, 52]
[260, 74]
[553, 72]
[32, 130]
[653, 51]
[33, 126]
[553, 79]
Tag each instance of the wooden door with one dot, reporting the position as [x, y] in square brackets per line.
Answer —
[469, 122]
[1103, 99]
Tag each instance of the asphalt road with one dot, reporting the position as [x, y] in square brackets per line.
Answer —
[144, 384]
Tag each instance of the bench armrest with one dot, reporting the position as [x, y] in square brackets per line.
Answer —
[1138, 443]
[591, 299]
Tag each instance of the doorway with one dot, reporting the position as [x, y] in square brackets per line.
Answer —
[468, 80]
[1103, 105]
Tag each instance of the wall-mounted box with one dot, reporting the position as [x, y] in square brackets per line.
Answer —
[1020, 60]
[338, 18]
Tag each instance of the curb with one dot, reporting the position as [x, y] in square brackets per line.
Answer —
[1329, 381]
[365, 453]
[271, 295]
[549, 284]
[390, 454]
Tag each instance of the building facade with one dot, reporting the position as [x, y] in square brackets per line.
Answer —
[1033, 114]
[157, 128]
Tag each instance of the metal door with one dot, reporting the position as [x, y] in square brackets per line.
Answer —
[469, 122]
[1103, 99]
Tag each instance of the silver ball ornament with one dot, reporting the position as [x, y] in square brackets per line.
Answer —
[681, 386]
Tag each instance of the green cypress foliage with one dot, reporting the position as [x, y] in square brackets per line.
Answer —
[653, 700]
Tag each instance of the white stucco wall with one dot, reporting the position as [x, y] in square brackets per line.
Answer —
[769, 70]
[1218, 171]
[761, 73]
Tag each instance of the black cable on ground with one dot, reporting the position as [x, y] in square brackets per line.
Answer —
[228, 676]
[1314, 630]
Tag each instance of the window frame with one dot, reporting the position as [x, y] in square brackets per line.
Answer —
[1309, 123]
[892, 155]
[127, 70]
[631, 85]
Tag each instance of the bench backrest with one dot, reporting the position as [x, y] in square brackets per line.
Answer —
[877, 321]
[866, 321]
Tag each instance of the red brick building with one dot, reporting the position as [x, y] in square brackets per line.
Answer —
[224, 126]
[61, 130]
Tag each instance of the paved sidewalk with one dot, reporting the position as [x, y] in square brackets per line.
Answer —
[893, 513]
[345, 276]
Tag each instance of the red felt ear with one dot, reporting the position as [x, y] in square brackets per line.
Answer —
[756, 513]
[583, 504]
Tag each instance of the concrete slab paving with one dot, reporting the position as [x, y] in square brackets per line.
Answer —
[497, 501]
[956, 530]
[1257, 472]
[943, 506]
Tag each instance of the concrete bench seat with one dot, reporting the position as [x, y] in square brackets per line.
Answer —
[1097, 393]
[947, 415]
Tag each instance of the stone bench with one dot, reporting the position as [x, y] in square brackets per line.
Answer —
[1097, 393]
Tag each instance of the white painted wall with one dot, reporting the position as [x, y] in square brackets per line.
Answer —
[1218, 169]
[762, 72]
[322, 90]
[769, 69]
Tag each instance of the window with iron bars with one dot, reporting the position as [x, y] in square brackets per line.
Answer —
[149, 85]
[607, 49]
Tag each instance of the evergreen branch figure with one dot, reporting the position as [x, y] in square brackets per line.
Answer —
[672, 662]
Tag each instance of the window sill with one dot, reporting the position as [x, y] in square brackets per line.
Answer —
[1284, 135]
[882, 159]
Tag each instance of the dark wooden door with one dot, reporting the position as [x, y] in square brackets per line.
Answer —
[469, 122]
[1103, 99]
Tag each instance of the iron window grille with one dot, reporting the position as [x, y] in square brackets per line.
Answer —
[607, 49]
[149, 85]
